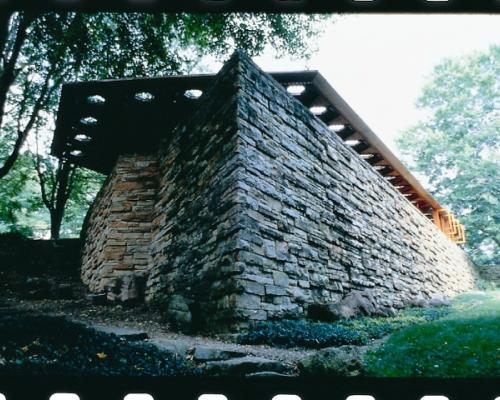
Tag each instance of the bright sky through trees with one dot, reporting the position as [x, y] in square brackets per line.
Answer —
[379, 63]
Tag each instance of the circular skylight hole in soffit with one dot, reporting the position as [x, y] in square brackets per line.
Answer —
[83, 138]
[337, 127]
[96, 99]
[88, 121]
[318, 110]
[144, 97]
[296, 90]
[193, 94]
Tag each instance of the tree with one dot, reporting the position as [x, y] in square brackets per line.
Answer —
[458, 146]
[18, 196]
[40, 52]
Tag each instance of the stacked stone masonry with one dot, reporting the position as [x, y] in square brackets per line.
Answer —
[117, 230]
[253, 209]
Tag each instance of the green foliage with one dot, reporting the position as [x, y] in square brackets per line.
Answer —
[485, 285]
[86, 185]
[300, 334]
[78, 46]
[344, 332]
[18, 196]
[458, 146]
[463, 344]
[21, 207]
[42, 345]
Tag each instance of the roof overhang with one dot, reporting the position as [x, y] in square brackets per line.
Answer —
[99, 120]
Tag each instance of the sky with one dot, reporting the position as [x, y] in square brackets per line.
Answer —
[380, 63]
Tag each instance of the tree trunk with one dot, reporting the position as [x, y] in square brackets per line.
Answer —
[12, 157]
[64, 181]
[5, 16]
[56, 217]
[7, 78]
[8, 74]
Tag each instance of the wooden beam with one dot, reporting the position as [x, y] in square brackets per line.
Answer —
[346, 132]
[369, 150]
[376, 159]
[330, 115]
[400, 181]
[354, 136]
[387, 171]
[309, 97]
[413, 197]
[340, 120]
[406, 190]
[383, 162]
[392, 172]
[361, 146]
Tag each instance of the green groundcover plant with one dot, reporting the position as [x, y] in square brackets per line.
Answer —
[348, 332]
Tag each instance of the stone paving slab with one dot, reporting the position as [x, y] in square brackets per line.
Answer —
[176, 346]
[210, 353]
[125, 333]
[246, 365]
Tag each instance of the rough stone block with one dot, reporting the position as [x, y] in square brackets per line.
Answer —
[280, 278]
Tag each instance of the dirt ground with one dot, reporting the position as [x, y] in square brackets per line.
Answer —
[144, 319]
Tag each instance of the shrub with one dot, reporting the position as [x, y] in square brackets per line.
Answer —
[12, 237]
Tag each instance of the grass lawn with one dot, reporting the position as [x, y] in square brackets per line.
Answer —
[465, 343]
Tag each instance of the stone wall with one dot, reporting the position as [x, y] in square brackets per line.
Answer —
[117, 230]
[196, 216]
[255, 210]
[320, 222]
[490, 273]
